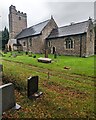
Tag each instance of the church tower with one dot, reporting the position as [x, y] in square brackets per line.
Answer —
[17, 21]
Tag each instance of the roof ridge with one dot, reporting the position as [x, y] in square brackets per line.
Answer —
[73, 24]
[35, 25]
[39, 23]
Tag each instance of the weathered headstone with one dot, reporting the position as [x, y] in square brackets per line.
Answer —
[8, 97]
[14, 55]
[0, 104]
[33, 87]
[1, 67]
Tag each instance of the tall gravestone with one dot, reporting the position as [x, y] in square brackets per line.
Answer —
[1, 67]
[8, 97]
[32, 85]
[1, 70]
[32, 90]
[0, 104]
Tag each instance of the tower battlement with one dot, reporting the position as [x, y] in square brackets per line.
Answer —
[12, 9]
[22, 14]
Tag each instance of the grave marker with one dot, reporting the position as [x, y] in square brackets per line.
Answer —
[1, 67]
[32, 91]
[1, 70]
[14, 55]
[8, 97]
[0, 104]
[44, 60]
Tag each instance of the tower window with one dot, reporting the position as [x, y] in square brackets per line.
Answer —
[19, 18]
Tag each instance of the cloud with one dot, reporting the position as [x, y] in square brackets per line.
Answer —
[37, 11]
[65, 12]
[95, 10]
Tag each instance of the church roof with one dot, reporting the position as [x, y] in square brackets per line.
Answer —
[32, 31]
[72, 29]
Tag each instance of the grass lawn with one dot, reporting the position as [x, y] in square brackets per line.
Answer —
[68, 93]
[81, 66]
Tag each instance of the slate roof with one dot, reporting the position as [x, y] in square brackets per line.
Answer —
[72, 29]
[32, 31]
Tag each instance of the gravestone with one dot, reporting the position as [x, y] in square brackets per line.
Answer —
[1, 67]
[14, 55]
[32, 91]
[0, 104]
[8, 97]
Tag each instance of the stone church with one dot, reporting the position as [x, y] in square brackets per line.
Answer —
[75, 39]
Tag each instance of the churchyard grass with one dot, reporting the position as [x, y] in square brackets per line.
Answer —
[67, 93]
[82, 66]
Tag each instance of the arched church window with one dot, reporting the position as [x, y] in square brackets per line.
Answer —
[69, 43]
[49, 44]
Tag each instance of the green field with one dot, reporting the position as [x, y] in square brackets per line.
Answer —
[67, 93]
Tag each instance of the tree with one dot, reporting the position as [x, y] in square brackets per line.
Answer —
[5, 37]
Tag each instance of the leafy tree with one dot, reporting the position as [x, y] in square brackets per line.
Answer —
[5, 37]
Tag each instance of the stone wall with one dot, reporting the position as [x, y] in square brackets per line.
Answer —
[17, 21]
[59, 44]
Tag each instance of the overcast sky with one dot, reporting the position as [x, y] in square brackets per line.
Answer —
[39, 10]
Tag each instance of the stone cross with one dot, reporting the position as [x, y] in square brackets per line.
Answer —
[46, 53]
